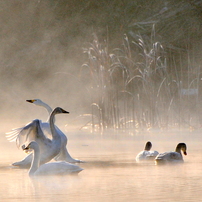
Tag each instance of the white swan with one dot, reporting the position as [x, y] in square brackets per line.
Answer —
[33, 131]
[172, 157]
[146, 154]
[52, 168]
[64, 154]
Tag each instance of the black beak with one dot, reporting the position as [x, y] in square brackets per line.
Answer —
[63, 111]
[24, 147]
[31, 101]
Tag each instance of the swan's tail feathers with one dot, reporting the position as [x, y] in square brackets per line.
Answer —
[75, 161]
[72, 168]
[77, 171]
[69, 160]
[25, 163]
[65, 156]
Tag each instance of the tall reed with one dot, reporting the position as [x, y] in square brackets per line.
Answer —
[133, 89]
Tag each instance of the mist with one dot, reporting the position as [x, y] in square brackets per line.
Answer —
[45, 43]
[127, 71]
[38, 59]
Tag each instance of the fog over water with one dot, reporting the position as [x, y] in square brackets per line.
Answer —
[110, 172]
[41, 57]
[35, 63]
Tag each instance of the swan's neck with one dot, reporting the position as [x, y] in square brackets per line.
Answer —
[48, 108]
[52, 125]
[147, 147]
[178, 150]
[35, 162]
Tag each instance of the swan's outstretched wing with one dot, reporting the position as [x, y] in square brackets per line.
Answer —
[20, 135]
[12, 135]
[32, 131]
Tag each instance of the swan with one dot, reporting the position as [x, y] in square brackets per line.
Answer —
[33, 131]
[64, 154]
[172, 157]
[52, 168]
[146, 154]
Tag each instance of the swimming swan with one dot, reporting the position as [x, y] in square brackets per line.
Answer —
[33, 131]
[146, 154]
[64, 154]
[172, 157]
[52, 168]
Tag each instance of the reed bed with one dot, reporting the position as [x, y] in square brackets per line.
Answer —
[133, 88]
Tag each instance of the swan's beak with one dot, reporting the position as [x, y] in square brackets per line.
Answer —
[31, 101]
[26, 149]
[63, 111]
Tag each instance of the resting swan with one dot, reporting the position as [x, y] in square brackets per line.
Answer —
[33, 131]
[172, 157]
[146, 154]
[52, 168]
[64, 154]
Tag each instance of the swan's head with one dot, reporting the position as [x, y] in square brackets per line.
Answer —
[183, 147]
[36, 102]
[148, 146]
[32, 145]
[59, 110]
[26, 148]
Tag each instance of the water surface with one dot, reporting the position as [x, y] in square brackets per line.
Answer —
[110, 172]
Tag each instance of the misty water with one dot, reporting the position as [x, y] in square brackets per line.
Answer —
[110, 172]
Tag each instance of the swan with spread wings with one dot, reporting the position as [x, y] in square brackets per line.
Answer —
[64, 154]
[33, 131]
